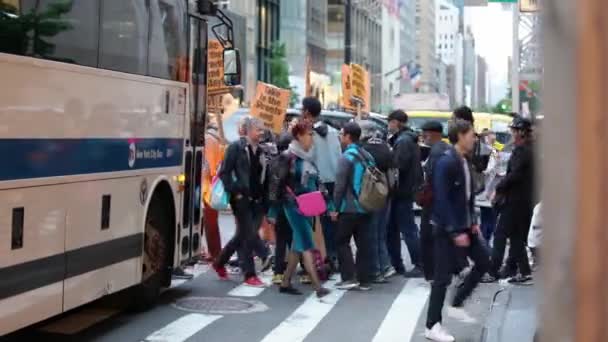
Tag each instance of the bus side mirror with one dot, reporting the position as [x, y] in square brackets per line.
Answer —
[232, 67]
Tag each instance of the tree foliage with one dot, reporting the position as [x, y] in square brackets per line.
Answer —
[28, 33]
[531, 95]
[279, 70]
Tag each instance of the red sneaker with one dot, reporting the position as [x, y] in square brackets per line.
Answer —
[254, 282]
[221, 272]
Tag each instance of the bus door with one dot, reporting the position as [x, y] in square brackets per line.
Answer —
[190, 233]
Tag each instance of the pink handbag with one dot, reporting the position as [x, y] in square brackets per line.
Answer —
[310, 204]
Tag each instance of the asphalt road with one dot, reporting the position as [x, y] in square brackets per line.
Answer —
[206, 309]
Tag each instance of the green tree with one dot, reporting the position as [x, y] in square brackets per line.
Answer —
[28, 33]
[279, 70]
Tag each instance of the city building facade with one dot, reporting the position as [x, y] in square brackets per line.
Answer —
[407, 38]
[447, 20]
[425, 43]
[391, 54]
[481, 92]
[470, 64]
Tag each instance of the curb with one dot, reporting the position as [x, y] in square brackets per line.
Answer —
[492, 329]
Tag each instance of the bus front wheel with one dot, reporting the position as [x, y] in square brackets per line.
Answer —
[155, 265]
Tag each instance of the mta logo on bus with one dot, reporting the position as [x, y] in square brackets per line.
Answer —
[132, 154]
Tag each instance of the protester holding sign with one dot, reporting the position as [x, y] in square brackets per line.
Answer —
[214, 154]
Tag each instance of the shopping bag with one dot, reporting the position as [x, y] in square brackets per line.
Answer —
[219, 197]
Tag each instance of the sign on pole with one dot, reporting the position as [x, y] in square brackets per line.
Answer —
[346, 91]
[357, 82]
[270, 105]
[215, 68]
[351, 97]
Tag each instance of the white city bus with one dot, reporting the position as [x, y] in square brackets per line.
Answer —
[101, 106]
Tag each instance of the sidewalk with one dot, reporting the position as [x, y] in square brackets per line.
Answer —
[513, 317]
[478, 306]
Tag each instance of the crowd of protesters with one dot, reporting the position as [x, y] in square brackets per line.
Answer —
[318, 170]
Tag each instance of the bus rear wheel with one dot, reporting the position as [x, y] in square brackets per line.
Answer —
[155, 265]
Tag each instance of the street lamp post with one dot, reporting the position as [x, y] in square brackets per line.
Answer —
[347, 31]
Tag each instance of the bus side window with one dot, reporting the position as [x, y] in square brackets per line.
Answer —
[168, 39]
[64, 31]
[124, 36]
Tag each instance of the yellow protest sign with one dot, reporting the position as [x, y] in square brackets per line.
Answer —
[215, 68]
[358, 79]
[270, 105]
[367, 100]
[346, 91]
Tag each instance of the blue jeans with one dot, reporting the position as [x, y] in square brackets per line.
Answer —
[488, 222]
[403, 223]
[380, 260]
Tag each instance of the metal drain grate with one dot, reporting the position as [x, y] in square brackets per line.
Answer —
[219, 305]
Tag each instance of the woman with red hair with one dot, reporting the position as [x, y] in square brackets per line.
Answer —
[296, 175]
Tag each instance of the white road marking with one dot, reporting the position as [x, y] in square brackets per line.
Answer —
[248, 291]
[401, 319]
[305, 318]
[182, 328]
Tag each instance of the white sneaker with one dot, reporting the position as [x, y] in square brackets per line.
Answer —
[460, 314]
[438, 334]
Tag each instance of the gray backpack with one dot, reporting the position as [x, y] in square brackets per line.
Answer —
[374, 185]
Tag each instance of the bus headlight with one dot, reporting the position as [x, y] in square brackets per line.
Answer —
[181, 182]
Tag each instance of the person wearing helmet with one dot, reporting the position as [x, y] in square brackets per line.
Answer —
[516, 190]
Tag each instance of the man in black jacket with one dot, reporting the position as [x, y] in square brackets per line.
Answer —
[432, 132]
[372, 142]
[243, 175]
[517, 190]
[406, 158]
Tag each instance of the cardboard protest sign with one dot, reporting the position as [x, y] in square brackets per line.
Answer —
[367, 100]
[346, 91]
[270, 105]
[357, 82]
[215, 68]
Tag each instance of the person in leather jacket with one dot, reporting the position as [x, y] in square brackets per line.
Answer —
[517, 192]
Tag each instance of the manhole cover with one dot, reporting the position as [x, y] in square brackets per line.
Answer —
[219, 305]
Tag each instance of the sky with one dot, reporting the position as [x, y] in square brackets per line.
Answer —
[492, 27]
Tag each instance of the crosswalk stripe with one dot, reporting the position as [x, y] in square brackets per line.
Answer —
[305, 318]
[248, 291]
[182, 328]
[400, 321]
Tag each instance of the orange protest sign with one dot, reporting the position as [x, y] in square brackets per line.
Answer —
[346, 91]
[358, 80]
[270, 105]
[367, 101]
[215, 68]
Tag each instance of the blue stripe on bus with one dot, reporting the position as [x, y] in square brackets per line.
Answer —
[40, 158]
